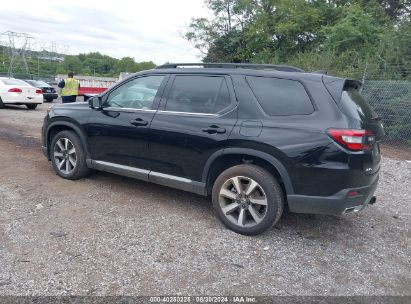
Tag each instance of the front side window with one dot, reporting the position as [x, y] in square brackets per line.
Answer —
[198, 94]
[281, 96]
[138, 93]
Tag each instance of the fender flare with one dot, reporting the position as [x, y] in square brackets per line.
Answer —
[251, 152]
[72, 126]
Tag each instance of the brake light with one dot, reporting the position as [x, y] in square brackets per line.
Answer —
[15, 90]
[38, 91]
[354, 140]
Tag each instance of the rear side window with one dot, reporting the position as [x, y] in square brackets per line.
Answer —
[281, 96]
[198, 94]
[354, 105]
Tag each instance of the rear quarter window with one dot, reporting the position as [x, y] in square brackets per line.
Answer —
[354, 105]
[281, 96]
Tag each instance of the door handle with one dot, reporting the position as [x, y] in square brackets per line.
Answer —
[214, 130]
[138, 122]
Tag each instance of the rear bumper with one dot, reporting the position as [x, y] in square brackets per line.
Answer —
[21, 99]
[50, 95]
[336, 204]
[24, 102]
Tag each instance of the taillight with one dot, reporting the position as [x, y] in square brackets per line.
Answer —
[15, 90]
[38, 91]
[354, 140]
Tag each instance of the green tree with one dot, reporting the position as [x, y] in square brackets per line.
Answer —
[126, 64]
[337, 35]
[72, 63]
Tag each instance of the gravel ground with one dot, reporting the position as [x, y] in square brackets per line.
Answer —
[111, 235]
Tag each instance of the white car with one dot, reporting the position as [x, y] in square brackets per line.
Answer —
[18, 92]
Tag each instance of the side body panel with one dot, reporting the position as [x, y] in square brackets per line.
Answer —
[180, 144]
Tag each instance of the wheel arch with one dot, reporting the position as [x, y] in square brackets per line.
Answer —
[58, 126]
[225, 158]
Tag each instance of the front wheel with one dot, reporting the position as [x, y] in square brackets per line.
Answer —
[31, 106]
[248, 199]
[68, 156]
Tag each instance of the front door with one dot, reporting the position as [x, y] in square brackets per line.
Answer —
[118, 133]
[193, 121]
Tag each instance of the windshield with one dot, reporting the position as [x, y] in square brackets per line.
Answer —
[32, 82]
[42, 83]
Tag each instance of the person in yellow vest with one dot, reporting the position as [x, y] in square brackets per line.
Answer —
[69, 88]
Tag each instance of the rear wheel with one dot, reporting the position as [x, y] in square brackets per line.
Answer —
[248, 199]
[31, 106]
[1, 104]
[49, 99]
[68, 156]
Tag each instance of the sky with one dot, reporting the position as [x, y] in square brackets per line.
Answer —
[148, 30]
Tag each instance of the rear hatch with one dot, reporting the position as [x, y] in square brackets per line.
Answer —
[361, 117]
[354, 105]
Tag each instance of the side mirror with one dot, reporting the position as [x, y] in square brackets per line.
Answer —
[95, 102]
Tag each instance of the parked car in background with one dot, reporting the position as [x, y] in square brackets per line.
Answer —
[91, 85]
[49, 93]
[18, 92]
[257, 139]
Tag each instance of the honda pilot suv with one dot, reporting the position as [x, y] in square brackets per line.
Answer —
[257, 139]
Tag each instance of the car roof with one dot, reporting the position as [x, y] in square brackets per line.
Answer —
[239, 71]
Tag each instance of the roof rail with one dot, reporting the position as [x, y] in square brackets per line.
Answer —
[283, 68]
[323, 72]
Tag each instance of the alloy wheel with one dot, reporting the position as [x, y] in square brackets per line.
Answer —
[243, 201]
[65, 155]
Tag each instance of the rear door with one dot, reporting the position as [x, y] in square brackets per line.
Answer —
[194, 120]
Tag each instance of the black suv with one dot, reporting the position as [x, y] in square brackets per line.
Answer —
[256, 138]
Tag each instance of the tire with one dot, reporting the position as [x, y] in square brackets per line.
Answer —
[68, 165]
[31, 106]
[49, 99]
[261, 208]
[1, 104]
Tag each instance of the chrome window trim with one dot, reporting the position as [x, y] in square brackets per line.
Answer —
[129, 109]
[187, 113]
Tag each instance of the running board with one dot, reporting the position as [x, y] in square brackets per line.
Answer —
[150, 176]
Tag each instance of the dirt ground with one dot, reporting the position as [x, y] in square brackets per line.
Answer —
[111, 235]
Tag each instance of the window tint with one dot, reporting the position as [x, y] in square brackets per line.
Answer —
[32, 82]
[281, 96]
[198, 94]
[42, 83]
[138, 93]
[354, 105]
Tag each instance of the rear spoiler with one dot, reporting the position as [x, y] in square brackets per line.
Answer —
[336, 85]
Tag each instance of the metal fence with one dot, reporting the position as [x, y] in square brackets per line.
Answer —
[387, 88]
[391, 99]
